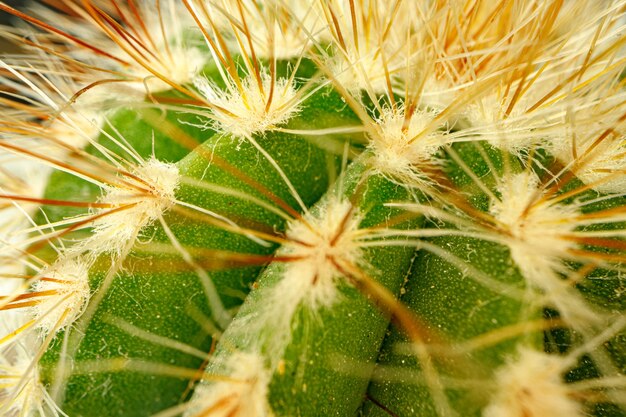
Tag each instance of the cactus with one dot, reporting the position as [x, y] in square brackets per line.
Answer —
[291, 208]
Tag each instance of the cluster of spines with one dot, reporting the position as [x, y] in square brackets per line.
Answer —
[438, 89]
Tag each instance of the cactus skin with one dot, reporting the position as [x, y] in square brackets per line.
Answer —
[455, 306]
[143, 299]
[162, 159]
[147, 300]
[320, 339]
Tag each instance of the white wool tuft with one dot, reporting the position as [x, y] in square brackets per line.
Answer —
[536, 227]
[321, 242]
[21, 391]
[532, 386]
[242, 394]
[245, 109]
[112, 232]
[539, 244]
[396, 149]
[67, 283]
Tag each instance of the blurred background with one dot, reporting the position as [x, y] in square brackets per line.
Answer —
[7, 19]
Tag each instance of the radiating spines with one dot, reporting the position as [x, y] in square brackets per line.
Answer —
[48, 301]
[134, 195]
[157, 41]
[420, 76]
[41, 129]
[592, 144]
[275, 29]
[404, 142]
[22, 393]
[463, 44]
[14, 217]
[45, 126]
[322, 244]
[545, 90]
[546, 221]
[250, 105]
[43, 109]
[144, 47]
[510, 73]
[542, 236]
[372, 44]
[251, 89]
[319, 249]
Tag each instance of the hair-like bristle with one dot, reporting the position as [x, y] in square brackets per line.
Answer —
[161, 153]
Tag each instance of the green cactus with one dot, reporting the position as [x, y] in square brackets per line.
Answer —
[331, 208]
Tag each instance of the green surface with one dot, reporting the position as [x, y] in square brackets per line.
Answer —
[452, 308]
[158, 292]
[315, 377]
[449, 292]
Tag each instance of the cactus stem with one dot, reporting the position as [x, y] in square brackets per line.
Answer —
[219, 312]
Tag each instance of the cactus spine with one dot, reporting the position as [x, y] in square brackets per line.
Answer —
[289, 208]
